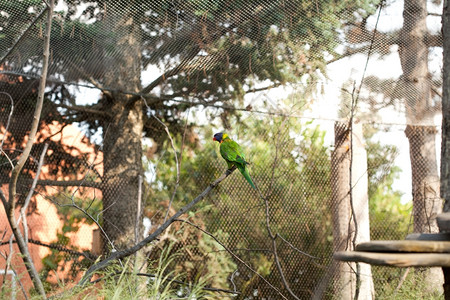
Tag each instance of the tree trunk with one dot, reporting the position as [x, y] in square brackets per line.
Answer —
[350, 211]
[445, 146]
[122, 133]
[425, 179]
[421, 133]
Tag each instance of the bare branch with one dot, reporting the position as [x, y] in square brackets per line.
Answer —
[264, 88]
[9, 266]
[85, 212]
[88, 110]
[10, 207]
[58, 247]
[67, 183]
[295, 248]
[165, 75]
[89, 78]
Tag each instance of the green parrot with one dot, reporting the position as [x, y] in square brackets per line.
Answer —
[233, 155]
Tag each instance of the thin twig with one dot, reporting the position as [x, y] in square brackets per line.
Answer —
[95, 220]
[295, 248]
[351, 121]
[15, 277]
[30, 194]
[8, 259]
[402, 280]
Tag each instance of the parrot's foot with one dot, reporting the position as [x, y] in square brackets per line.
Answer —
[230, 170]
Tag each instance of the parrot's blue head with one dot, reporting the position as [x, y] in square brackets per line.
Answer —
[219, 137]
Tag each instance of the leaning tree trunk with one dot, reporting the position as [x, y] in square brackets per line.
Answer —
[122, 133]
[420, 132]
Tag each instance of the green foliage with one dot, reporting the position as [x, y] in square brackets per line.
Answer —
[389, 216]
[290, 164]
[389, 219]
[219, 262]
[160, 283]
[390, 285]
[197, 257]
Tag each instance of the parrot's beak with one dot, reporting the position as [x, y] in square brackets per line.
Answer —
[214, 139]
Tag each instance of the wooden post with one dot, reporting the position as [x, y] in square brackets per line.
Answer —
[350, 210]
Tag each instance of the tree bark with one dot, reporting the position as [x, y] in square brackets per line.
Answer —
[421, 134]
[420, 131]
[445, 146]
[425, 179]
[122, 133]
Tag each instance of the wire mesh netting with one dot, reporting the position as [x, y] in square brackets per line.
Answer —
[136, 91]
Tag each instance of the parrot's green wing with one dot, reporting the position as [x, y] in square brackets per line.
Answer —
[233, 154]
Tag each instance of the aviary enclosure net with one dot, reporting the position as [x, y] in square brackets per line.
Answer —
[136, 90]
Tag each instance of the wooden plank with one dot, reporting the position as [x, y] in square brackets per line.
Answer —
[405, 246]
[396, 259]
[429, 236]
[443, 221]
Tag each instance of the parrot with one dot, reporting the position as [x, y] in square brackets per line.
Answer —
[233, 155]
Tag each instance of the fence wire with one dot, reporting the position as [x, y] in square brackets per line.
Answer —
[292, 68]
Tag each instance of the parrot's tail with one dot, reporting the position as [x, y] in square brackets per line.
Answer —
[244, 172]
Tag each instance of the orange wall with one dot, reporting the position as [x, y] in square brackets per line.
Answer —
[44, 221]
